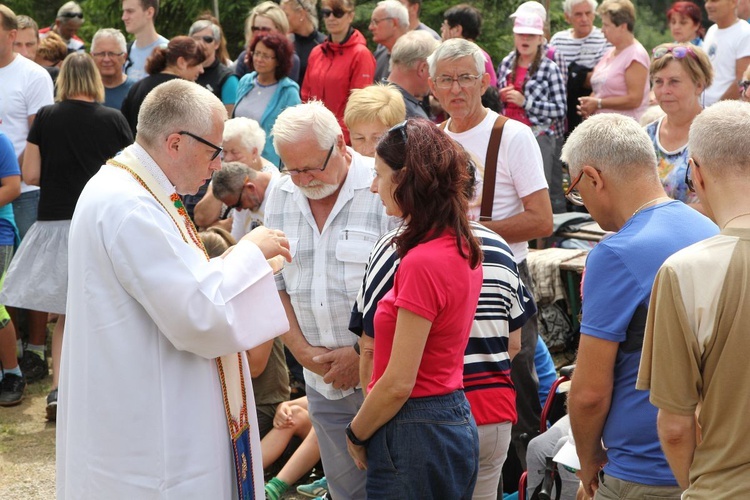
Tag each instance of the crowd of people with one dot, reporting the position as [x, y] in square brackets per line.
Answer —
[218, 241]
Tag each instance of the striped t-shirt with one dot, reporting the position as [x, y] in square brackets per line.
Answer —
[584, 51]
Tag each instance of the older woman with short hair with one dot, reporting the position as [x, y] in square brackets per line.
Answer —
[620, 78]
[680, 73]
[370, 112]
[60, 159]
[216, 76]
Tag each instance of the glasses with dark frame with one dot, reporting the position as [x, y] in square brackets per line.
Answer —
[445, 82]
[217, 149]
[239, 201]
[688, 178]
[205, 38]
[71, 15]
[337, 13]
[572, 194]
[295, 171]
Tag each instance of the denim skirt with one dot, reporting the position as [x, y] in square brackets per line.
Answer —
[430, 449]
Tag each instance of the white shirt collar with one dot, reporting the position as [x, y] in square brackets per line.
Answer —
[153, 168]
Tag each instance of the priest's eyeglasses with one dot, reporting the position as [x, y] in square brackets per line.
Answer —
[217, 149]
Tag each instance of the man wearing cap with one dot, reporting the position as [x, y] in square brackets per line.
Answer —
[68, 22]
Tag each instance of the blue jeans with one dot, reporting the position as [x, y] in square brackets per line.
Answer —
[430, 449]
[25, 209]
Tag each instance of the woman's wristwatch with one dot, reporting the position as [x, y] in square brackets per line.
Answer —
[354, 439]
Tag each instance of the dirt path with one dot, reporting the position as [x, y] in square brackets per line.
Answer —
[27, 448]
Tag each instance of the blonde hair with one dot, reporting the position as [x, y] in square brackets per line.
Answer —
[216, 241]
[378, 102]
[695, 63]
[79, 77]
[619, 12]
[272, 11]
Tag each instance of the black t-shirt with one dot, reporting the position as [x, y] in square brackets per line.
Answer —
[138, 92]
[75, 139]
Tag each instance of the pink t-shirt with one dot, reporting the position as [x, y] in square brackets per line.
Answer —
[489, 68]
[608, 78]
[435, 282]
[513, 111]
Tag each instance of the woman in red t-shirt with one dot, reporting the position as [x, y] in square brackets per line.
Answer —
[414, 432]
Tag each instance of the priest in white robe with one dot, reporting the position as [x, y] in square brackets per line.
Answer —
[152, 323]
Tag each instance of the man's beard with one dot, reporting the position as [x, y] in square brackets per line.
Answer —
[317, 190]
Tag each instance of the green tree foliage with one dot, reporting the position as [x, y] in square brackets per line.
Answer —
[176, 16]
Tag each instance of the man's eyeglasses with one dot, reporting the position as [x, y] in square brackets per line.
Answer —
[375, 22]
[572, 193]
[306, 170]
[217, 149]
[262, 56]
[688, 178]
[264, 29]
[677, 51]
[337, 13]
[71, 15]
[464, 81]
[205, 38]
[239, 201]
[102, 55]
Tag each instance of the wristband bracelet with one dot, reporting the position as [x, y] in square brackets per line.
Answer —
[354, 439]
[599, 104]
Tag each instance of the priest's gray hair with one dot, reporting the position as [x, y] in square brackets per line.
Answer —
[229, 180]
[248, 131]
[717, 138]
[412, 48]
[296, 123]
[611, 143]
[175, 106]
[453, 49]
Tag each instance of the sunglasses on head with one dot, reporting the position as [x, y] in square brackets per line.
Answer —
[678, 51]
[337, 13]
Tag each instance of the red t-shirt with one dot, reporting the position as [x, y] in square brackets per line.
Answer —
[435, 282]
[512, 110]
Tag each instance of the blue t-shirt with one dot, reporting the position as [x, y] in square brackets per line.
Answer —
[113, 97]
[136, 67]
[617, 283]
[8, 167]
[545, 369]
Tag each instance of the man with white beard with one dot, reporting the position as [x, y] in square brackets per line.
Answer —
[332, 221]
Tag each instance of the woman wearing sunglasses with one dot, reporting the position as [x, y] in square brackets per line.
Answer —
[339, 64]
[216, 77]
[679, 73]
[414, 433]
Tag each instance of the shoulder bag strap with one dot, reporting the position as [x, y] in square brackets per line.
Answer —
[490, 168]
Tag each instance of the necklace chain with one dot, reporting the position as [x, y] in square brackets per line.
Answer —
[649, 203]
[735, 217]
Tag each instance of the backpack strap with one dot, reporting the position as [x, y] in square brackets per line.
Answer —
[490, 168]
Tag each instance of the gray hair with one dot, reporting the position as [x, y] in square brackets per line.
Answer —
[63, 14]
[248, 131]
[113, 33]
[230, 179]
[297, 122]
[412, 48]
[611, 143]
[307, 5]
[569, 4]
[172, 106]
[395, 10]
[717, 139]
[203, 24]
[453, 49]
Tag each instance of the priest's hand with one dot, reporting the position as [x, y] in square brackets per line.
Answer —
[344, 372]
[272, 242]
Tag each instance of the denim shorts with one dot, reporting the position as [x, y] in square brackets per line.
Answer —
[430, 449]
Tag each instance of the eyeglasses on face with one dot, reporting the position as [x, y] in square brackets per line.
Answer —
[677, 51]
[262, 56]
[688, 178]
[102, 55]
[295, 171]
[337, 13]
[375, 22]
[204, 38]
[217, 149]
[572, 194]
[464, 81]
[264, 29]
[239, 201]
[72, 15]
